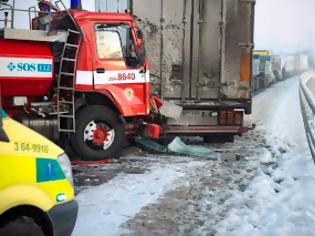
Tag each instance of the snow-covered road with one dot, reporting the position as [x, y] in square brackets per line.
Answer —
[264, 186]
[280, 201]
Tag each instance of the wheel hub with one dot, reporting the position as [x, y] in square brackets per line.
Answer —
[99, 135]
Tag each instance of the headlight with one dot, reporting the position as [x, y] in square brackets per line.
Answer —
[65, 164]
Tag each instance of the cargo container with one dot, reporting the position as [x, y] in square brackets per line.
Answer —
[302, 63]
[276, 66]
[289, 67]
[112, 6]
[295, 64]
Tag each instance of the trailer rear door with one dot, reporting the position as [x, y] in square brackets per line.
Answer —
[237, 51]
[200, 50]
[221, 49]
[206, 49]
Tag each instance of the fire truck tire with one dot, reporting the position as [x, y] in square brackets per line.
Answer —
[99, 134]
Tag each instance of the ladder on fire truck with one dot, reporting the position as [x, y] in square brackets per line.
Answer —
[67, 77]
[66, 82]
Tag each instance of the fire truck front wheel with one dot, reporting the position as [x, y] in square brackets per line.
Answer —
[99, 134]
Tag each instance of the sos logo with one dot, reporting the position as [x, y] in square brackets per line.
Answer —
[28, 67]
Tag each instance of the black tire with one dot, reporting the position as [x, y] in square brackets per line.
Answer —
[278, 75]
[249, 108]
[87, 149]
[219, 138]
[261, 82]
[22, 226]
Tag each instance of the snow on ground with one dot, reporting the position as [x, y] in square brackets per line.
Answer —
[279, 201]
[264, 184]
[104, 208]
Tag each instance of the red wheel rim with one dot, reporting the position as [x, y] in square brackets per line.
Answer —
[100, 135]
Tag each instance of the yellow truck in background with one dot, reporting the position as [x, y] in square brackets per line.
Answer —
[262, 76]
[36, 187]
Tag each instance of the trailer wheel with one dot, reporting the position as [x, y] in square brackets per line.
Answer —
[99, 134]
[21, 226]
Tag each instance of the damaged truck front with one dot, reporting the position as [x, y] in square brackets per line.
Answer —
[200, 53]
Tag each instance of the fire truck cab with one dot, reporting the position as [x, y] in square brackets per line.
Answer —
[86, 78]
[110, 61]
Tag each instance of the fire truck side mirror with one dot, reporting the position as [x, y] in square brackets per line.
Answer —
[139, 34]
[141, 56]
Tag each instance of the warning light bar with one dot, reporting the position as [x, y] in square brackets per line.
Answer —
[76, 4]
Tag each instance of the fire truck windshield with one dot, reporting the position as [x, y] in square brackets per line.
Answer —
[115, 41]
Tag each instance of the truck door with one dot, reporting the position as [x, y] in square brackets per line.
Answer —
[117, 68]
[206, 49]
[192, 51]
[237, 49]
[222, 49]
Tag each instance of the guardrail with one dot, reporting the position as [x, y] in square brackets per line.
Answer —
[307, 100]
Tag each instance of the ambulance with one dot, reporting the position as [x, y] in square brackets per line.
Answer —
[36, 184]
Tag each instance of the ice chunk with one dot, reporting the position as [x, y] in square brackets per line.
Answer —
[178, 146]
[267, 158]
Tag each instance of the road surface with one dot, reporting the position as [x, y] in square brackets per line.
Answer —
[262, 185]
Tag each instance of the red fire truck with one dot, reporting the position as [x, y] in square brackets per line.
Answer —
[82, 78]
[86, 79]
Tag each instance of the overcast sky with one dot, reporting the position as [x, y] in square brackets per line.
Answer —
[285, 25]
[280, 25]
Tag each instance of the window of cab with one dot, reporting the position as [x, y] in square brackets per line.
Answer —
[115, 42]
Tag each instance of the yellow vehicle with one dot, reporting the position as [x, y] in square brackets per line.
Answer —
[36, 190]
[262, 70]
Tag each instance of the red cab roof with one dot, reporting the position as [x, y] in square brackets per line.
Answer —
[100, 16]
